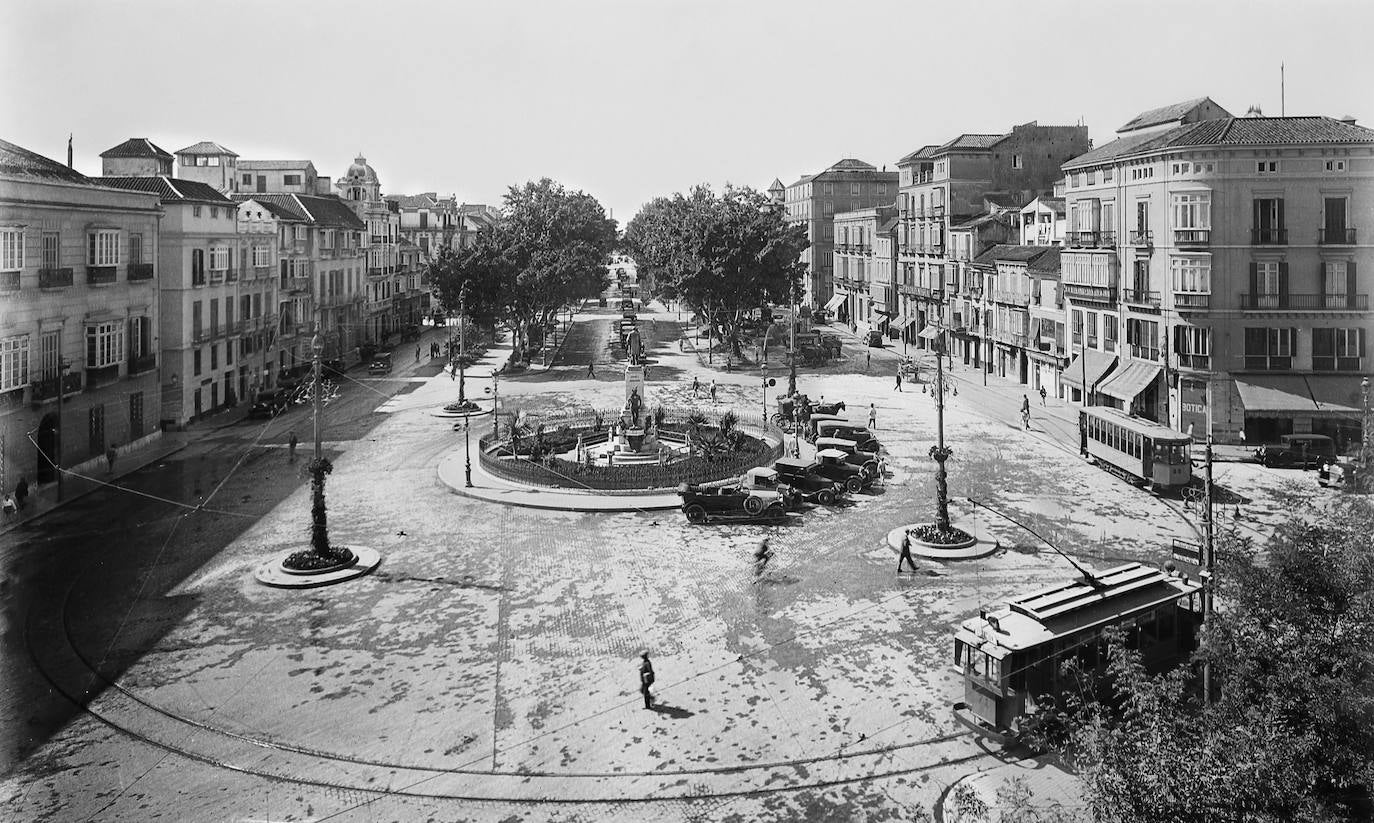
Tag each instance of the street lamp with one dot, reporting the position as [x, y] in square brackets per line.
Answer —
[1365, 440]
[766, 383]
[940, 452]
[467, 456]
[495, 403]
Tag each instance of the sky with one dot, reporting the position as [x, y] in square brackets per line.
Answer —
[633, 99]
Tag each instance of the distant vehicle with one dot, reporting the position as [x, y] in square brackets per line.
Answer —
[820, 316]
[1304, 450]
[1337, 474]
[293, 376]
[833, 464]
[333, 365]
[816, 419]
[270, 403]
[381, 364]
[874, 338]
[1139, 449]
[863, 439]
[765, 481]
[867, 462]
[804, 477]
[709, 502]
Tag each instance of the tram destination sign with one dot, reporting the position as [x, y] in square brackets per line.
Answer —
[1187, 551]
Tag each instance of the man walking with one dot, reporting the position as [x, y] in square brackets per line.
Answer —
[899, 380]
[21, 492]
[868, 360]
[872, 416]
[905, 556]
[291, 447]
[762, 555]
[591, 368]
[696, 384]
[646, 679]
[1042, 395]
[1025, 411]
[110, 455]
[713, 389]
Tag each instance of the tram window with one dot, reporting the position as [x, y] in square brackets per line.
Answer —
[994, 669]
[958, 651]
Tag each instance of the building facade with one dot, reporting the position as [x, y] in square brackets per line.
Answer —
[814, 200]
[1228, 261]
[861, 297]
[79, 300]
[360, 189]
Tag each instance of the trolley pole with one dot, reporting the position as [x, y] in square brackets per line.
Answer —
[1209, 564]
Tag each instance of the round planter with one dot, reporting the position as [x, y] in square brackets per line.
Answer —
[273, 573]
[974, 548]
[343, 564]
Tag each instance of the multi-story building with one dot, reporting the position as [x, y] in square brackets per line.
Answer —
[949, 184]
[962, 292]
[258, 328]
[288, 319]
[1227, 250]
[281, 177]
[79, 303]
[211, 164]
[1043, 222]
[814, 200]
[865, 299]
[360, 189]
[428, 221]
[136, 157]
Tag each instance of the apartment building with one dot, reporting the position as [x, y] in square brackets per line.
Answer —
[360, 190]
[1043, 222]
[862, 298]
[814, 200]
[1212, 271]
[428, 221]
[209, 163]
[79, 302]
[288, 306]
[281, 177]
[963, 290]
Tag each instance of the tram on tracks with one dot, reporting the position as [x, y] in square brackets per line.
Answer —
[1141, 450]
[1010, 656]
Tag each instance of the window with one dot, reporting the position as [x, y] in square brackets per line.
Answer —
[1268, 284]
[1075, 180]
[140, 337]
[219, 258]
[1267, 167]
[1109, 332]
[262, 257]
[855, 189]
[52, 250]
[195, 363]
[135, 249]
[214, 212]
[1193, 346]
[1337, 349]
[11, 249]
[829, 207]
[1183, 168]
[1338, 283]
[214, 356]
[1192, 210]
[195, 211]
[212, 161]
[1077, 327]
[1333, 220]
[300, 232]
[103, 248]
[197, 325]
[14, 362]
[1191, 275]
[291, 179]
[247, 179]
[104, 344]
[1092, 177]
[1107, 174]
[1143, 337]
[197, 267]
[1269, 349]
[1335, 165]
[1016, 162]
[1269, 228]
[828, 188]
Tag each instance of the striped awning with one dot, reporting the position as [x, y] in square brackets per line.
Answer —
[1095, 368]
[930, 332]
[1130, 381]
[835, 301]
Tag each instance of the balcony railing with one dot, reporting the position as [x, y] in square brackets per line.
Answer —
[1141, 297]
[1081, 291]
[1192, 238]
[1144, 238]
[1269, 237]
[1083, 239]
[1194, 361]
[142, 363]
[9, 281]
[200, 335]
[1304, 302]
[46, 388]
[100, 274]
[1336, 237]
[1106, 239]
[54, 278]
[1140, 352]
[1333, 363]
[1190, 301]
[140, 271]
[1012, 298]
[102, 375]
[937, 212]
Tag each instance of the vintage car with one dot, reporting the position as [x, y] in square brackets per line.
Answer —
[806, 481]
[763, 481]
[867, 462]
[381, 364]
[1338, 473]
[728, 502]
[1302, 450]
[270, 403]
[863, 439]
[834, 464]
[815, 419]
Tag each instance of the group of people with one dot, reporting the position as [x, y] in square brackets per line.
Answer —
[696, 388]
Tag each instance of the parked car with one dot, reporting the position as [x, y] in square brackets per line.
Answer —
[834, 465]
[293, 376]
[820, 316]
[381, 364]
[1304, 450]
[863, 439]
[707, 502]
[764, 482]
[333, 365]
[816, 419]
[866, 461]
[874, 338]
[1338, 473]
[270, 403]
[805, 479]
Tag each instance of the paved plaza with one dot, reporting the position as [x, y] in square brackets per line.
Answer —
[488, 670]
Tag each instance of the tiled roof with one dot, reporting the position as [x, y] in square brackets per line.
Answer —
[330, 211]
[922, 152]
[137, 147]
[888, 225]
[1009, 253]
[776, 184]
[274, 207]
[1230, 131]
[413, 201]
[852, 164]
[273, 165]
[170, 189]
[1047, 263]
[976, 220]
[1121, 147]
[1003, 198]
[1163, 114]
[20, 162]
[206, 147]
[971, 141]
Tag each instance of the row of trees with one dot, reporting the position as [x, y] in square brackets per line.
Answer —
[721, 255]
[549, 250]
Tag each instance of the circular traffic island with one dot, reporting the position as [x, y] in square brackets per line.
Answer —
[928, 540]
[463, 409]
[309, 569]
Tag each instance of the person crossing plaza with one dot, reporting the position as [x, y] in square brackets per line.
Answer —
[899, 380]
[1025, 411]
[872, 416]
[1042, 395]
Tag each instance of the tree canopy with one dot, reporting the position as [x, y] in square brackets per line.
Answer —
[721, 255]
[549, 249]
[1289, 734]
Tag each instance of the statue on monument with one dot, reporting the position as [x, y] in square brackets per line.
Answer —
[634, 408]
[634, 347]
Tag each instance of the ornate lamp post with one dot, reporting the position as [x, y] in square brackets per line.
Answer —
[940, 452]
[1365, 482]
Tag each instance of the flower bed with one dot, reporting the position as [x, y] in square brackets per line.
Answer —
[309, 561]
[931, 535]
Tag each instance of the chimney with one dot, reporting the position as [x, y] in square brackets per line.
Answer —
[1254, 111]
[69, 151]
[1348, 119]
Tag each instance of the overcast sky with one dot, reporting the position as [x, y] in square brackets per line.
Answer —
[630, 99]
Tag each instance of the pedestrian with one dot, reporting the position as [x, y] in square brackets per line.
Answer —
[110, 455]
[591, 368]
[872, 416]
[21, 492]
[696, 385]
[291, 442]
[868, 359]
[899, 380]
[417, 352]
[1025, 411]
[762, 555]
[453, 372]
[646, 679]
[713, 389]
[1042, 395]
[905, 556]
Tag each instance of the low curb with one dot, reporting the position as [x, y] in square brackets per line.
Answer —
[271, 573]
[983, 544]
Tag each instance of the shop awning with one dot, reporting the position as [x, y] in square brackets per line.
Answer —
[899, 322]
[884, 312]
[930, 332]
[1130, 381]
[835, 301]
[1097, 365]
[1275, 393]
[1336, 394]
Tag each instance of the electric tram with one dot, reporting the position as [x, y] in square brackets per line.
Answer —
[1141, 449]
[1010, 656]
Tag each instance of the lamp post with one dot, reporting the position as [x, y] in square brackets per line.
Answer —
[941, 453]
[1365, 440]
[467, 455]
[495, 403]
[792, 348]
[63, 365]
[462, 346]
[766, 383]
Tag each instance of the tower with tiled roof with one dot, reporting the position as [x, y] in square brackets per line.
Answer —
[210, 163]
[135, 157]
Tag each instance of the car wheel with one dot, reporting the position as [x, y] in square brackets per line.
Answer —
[854, 484]
[695, 514]
[826, 497]
[753, 505]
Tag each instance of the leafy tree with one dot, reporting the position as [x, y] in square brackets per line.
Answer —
[1289, 733]
[721, 255]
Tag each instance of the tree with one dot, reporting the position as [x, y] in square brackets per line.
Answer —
[720, 255]
[1289, 733]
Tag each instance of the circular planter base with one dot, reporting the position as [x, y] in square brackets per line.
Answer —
[273, 573]
[977, 546]
[478, 410]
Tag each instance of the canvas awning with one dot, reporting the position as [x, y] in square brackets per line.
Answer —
[883, 312]
[1097, 365]
[899, 322]
[1336, 394]
[907, 320]
[835, 301]
[1126, 383]
[1275, 393]
[930, 332]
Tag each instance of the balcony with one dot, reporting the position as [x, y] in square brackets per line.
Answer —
[200, 335]
[102, 375]
[100, 274]
[376, 271]
[1336, 237]
[140, 271]
[1144, 239]
[1083, 239]
[1097, 294]
[46, 389]
[1106, 239]
[937, 212]
[380, 239]
[1269, 237]
[1140, 352]
[1304, 302]
[1192, 238]
[1195, 361]
[1141, 297]
[1190, 301]
[54, 278]
[1011, 298]
[143, 363]
[9, 281]
[216, 276]
[1333, 363]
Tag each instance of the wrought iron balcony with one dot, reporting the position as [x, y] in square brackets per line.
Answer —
[1106, 239]
[1083, 291]
[1191, 301]
[1195, 361]
[1083, 239]
[142, 363]
[9, 281]
[46, 388]
[100, 274]
[1304, 302]
[1192, 238]
[1336, 237]
[1269, 237]
[1144, 238]
[102, 375]
[140, 271]
[54, 278]
[1141, 297]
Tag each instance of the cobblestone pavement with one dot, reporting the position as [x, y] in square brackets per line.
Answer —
[488, 669]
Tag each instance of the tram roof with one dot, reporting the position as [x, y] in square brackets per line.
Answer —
[1137, 424]
[1039, 617]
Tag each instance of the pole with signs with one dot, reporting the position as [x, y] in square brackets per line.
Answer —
[1208, 582]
